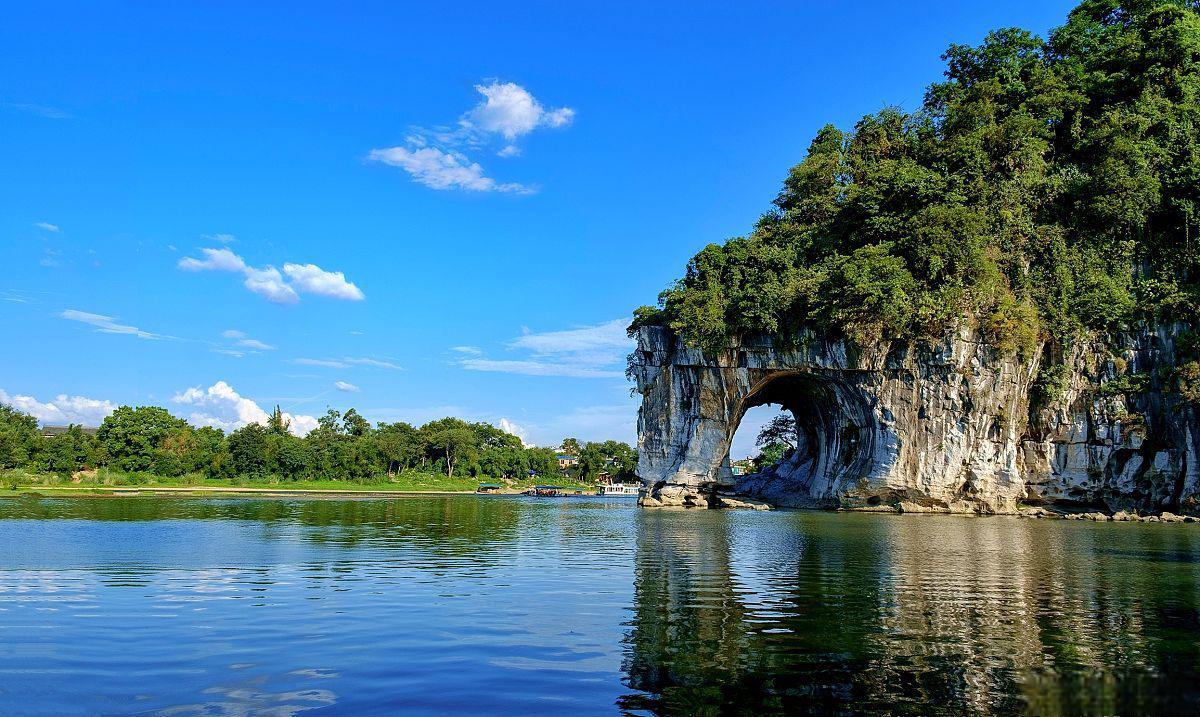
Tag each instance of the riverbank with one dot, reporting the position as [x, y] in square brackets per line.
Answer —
[110, 482]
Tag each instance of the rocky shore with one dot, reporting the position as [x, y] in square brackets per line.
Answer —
[950, 427]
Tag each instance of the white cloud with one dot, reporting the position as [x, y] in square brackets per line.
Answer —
[269, 283]
[469, 350]
[313, 279]
[47, 226]
[511, 111]
[231, 352]
[233, 334]
[435, 157]
[222, 407]
[222, 238]
[347, 387]
[589, 352]
[214, 260]
[62, 410]
[515, 429]
[443, 170]
[107, 324]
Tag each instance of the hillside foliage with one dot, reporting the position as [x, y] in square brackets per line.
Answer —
[1045, 189]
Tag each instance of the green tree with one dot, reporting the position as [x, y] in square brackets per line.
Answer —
[355, 425]
[249, 449]
[18, 437]
[130, 436]
[612, 458]
[399, 446]
[69, 452]
[277, 424]
[451, 440]
[780, 430]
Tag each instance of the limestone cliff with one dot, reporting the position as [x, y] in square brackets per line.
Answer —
[946, 427]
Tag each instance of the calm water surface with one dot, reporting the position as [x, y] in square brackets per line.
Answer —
[517, 606]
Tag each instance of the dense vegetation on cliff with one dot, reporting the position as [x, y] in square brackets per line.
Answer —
[1043, 190]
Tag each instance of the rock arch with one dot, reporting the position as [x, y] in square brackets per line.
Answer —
[838, 440]
[880, 429]
[937, 427]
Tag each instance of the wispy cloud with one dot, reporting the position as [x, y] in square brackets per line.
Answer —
[269, 283]
[469, 350]
[39, 110]
[255, 345]
[47, 226]
[588, 352]
[347, 362]
[440, 169]
[325, 363]
[63, 409]
[537, 368]
[107, 324]
[347, 387]
[220, 238]
[436, 157]
[241, 340]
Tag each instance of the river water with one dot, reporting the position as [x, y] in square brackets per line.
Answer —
[520, 606]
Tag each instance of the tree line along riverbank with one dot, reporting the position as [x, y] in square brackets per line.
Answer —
[148, 446]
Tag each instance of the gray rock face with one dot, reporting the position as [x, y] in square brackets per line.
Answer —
[916, 427]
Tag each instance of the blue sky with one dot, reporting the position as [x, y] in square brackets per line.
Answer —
[416, 211]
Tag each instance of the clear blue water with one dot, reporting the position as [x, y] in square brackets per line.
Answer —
[518, 606]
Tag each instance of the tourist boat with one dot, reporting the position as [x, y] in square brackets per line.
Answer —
[545, 491]
[618, 489]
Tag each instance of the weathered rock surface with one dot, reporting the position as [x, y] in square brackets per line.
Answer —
[917, 427]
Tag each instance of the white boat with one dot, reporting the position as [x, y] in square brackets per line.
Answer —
[619, 489]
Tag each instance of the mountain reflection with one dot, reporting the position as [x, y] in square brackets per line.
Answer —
[810, 612]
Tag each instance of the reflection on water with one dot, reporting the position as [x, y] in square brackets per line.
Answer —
[917, 615]
[584, 606]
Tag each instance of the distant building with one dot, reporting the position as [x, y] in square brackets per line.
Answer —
[566, 460]
[488, 488]
[51, 431]
[742, 468]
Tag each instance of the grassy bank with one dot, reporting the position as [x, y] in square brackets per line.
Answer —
[18, 481]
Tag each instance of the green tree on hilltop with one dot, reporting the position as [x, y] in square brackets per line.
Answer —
[1045, 189]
